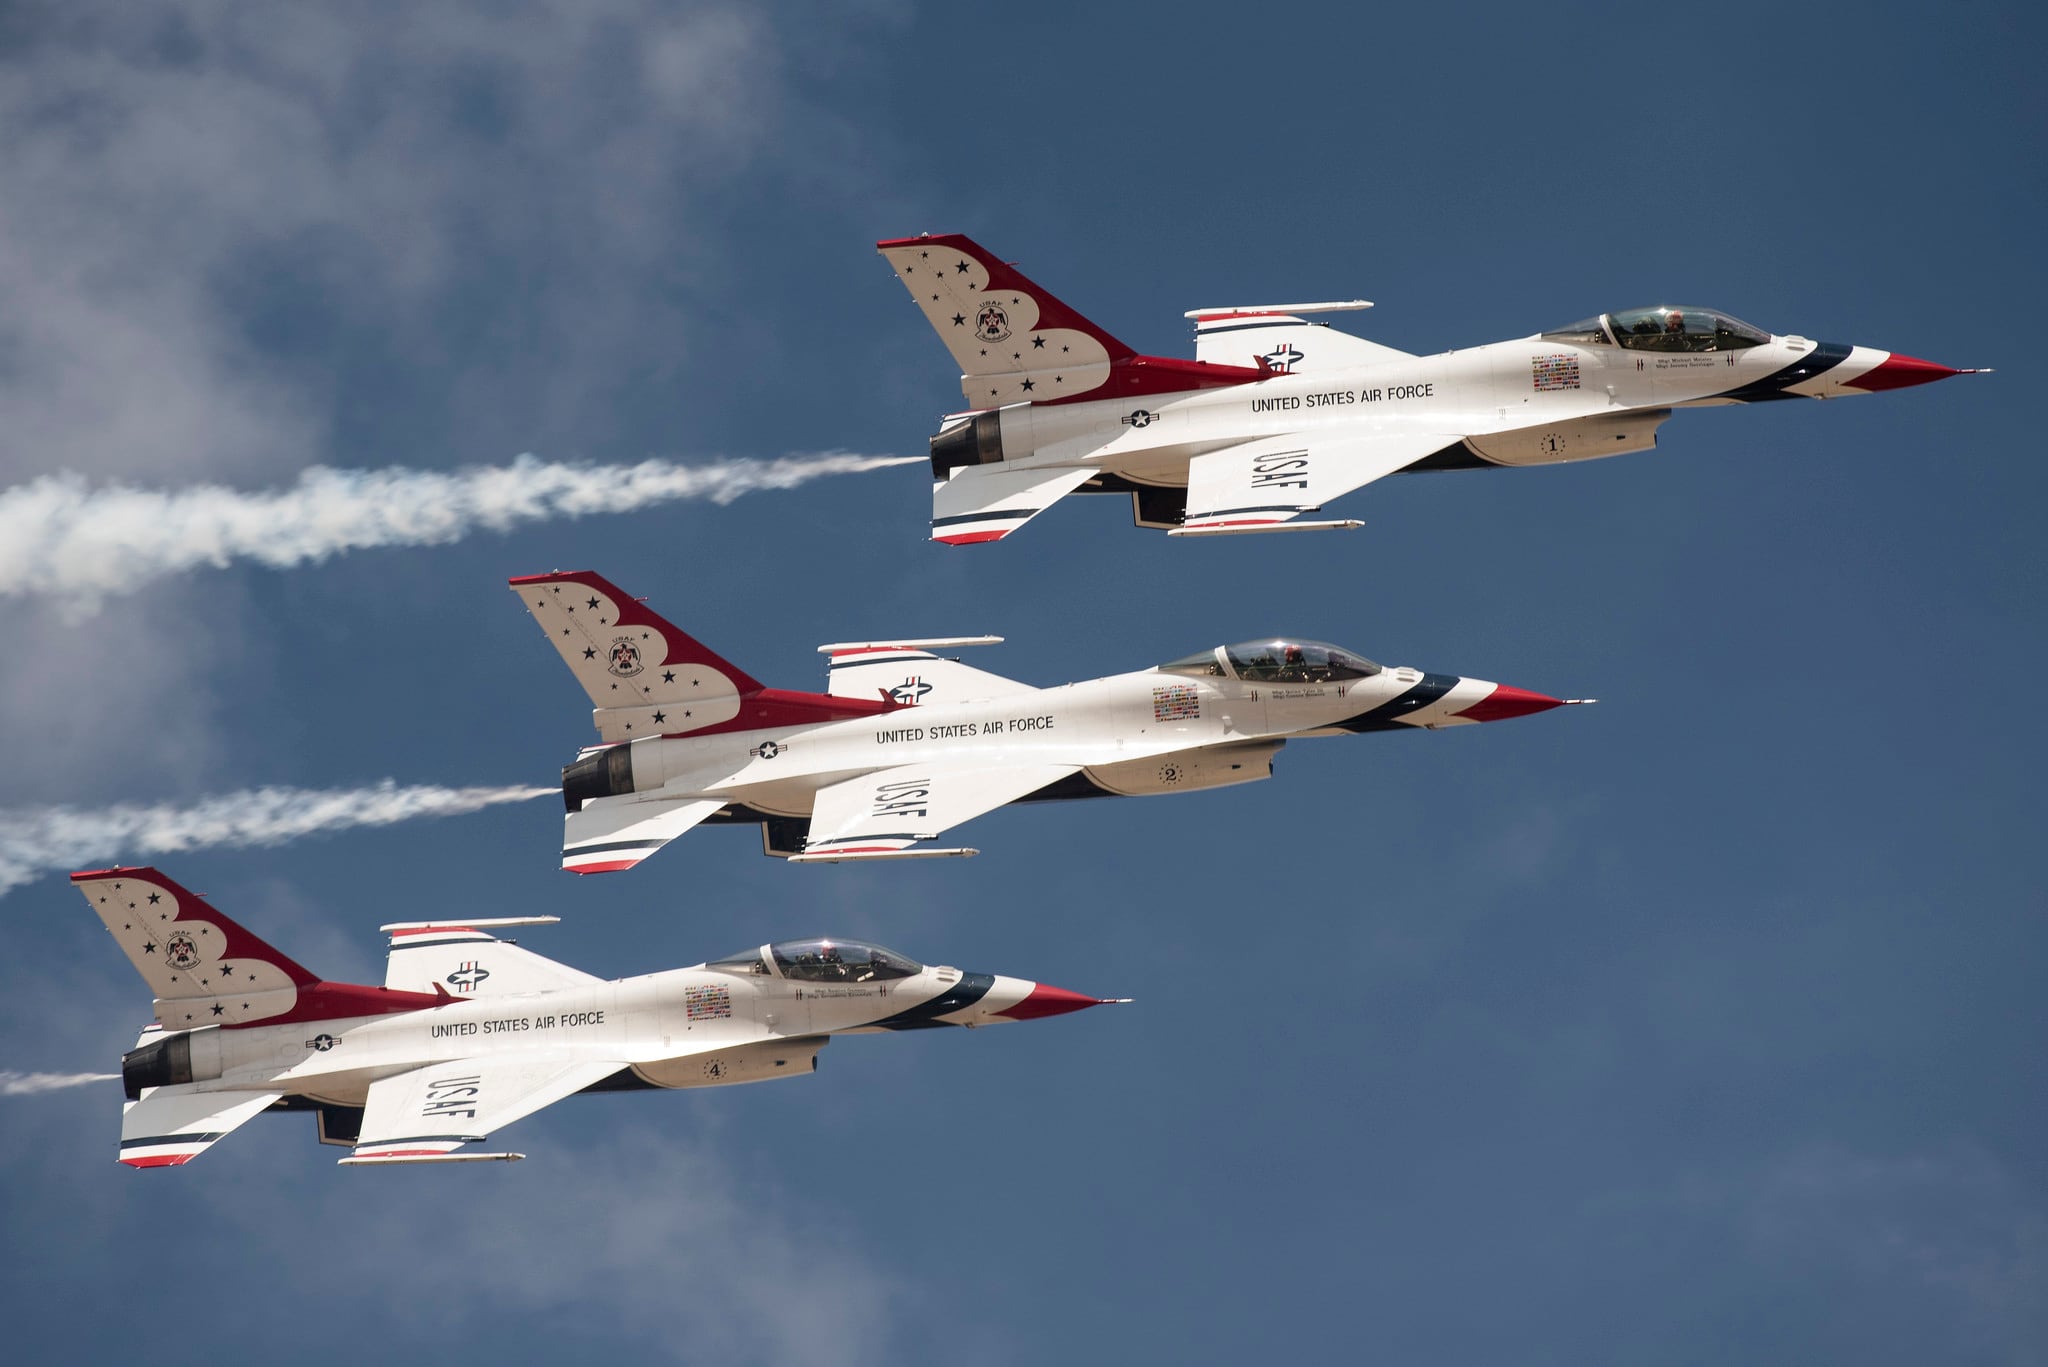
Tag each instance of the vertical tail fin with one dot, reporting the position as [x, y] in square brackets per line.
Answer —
[205, 969]
[1016, 343]
[645, 675]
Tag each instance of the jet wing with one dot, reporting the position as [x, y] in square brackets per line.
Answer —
[1260, 485]
[618, 832]
[172, 1125]
[988, 502]
[421, 1115]
[882, 814]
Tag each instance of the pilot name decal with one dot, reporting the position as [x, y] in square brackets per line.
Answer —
[1331, 398]
[568, 1020]
[965, 730]
[707, 1003]
[1556, 371]
[1176, 702]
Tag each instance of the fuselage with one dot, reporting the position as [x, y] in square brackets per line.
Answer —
[1118, 730]
[748, 1019]
[1531, 401]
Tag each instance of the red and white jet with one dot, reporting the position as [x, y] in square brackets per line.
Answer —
[470, 1032]
[906, 745]
[1277, 416]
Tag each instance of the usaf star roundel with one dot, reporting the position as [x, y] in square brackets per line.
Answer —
[625, 658]
[181, 951]
[992, 324]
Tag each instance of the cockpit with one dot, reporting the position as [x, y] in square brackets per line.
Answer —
[1667, 327]
[821, 961]
[1280, 660]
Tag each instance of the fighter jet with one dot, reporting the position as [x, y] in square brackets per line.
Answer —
[1276, 415]
[470, 1032]
[906, 744]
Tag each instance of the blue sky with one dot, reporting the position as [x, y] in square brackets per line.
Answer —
[1700, 1026]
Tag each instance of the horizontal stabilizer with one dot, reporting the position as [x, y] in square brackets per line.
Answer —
[612, 833]
[171, 1126]
[988, 502]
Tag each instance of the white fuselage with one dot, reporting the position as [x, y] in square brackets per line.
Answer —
[653, 1024]
[1485, 394]
[1113, 728]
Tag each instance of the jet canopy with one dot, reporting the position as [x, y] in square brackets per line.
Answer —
[1280, 660]
[1668, 327]
[821, 961]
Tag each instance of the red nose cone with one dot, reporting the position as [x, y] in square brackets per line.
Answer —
[1506, 701]
[1048, 1001]
[1900, 372]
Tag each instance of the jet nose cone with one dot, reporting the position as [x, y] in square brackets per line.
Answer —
[1047, 1000]
[1508, 701]
[1901, 372]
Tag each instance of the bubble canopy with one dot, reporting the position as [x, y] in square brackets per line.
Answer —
[1667, 327]
[821, 961]
[1279, 660]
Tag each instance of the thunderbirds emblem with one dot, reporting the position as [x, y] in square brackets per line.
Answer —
[992, 324]
[625, 658]
[181, 951]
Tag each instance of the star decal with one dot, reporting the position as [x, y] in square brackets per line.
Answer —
[570, 608]
[1038, 343]
[661, 716]
[962, 268]
[225, 970]
[668, 676]
[1066, 348]
[959, 320]
[935, 299]
[593, 603]
[589, 653]
[922, 255]
[218, 1008]
[1027, 386]
[149, 948]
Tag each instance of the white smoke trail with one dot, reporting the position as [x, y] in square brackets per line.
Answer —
[28, 1084]
[60, 534]
[39, 840]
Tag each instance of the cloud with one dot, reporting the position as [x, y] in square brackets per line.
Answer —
[61, 535]
[28, 1084]
[35, 841]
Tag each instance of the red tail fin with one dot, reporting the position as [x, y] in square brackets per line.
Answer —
[206, 969]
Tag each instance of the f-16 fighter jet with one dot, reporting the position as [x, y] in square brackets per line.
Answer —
[907, 745]
[470, 1032]
[1277, 416]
